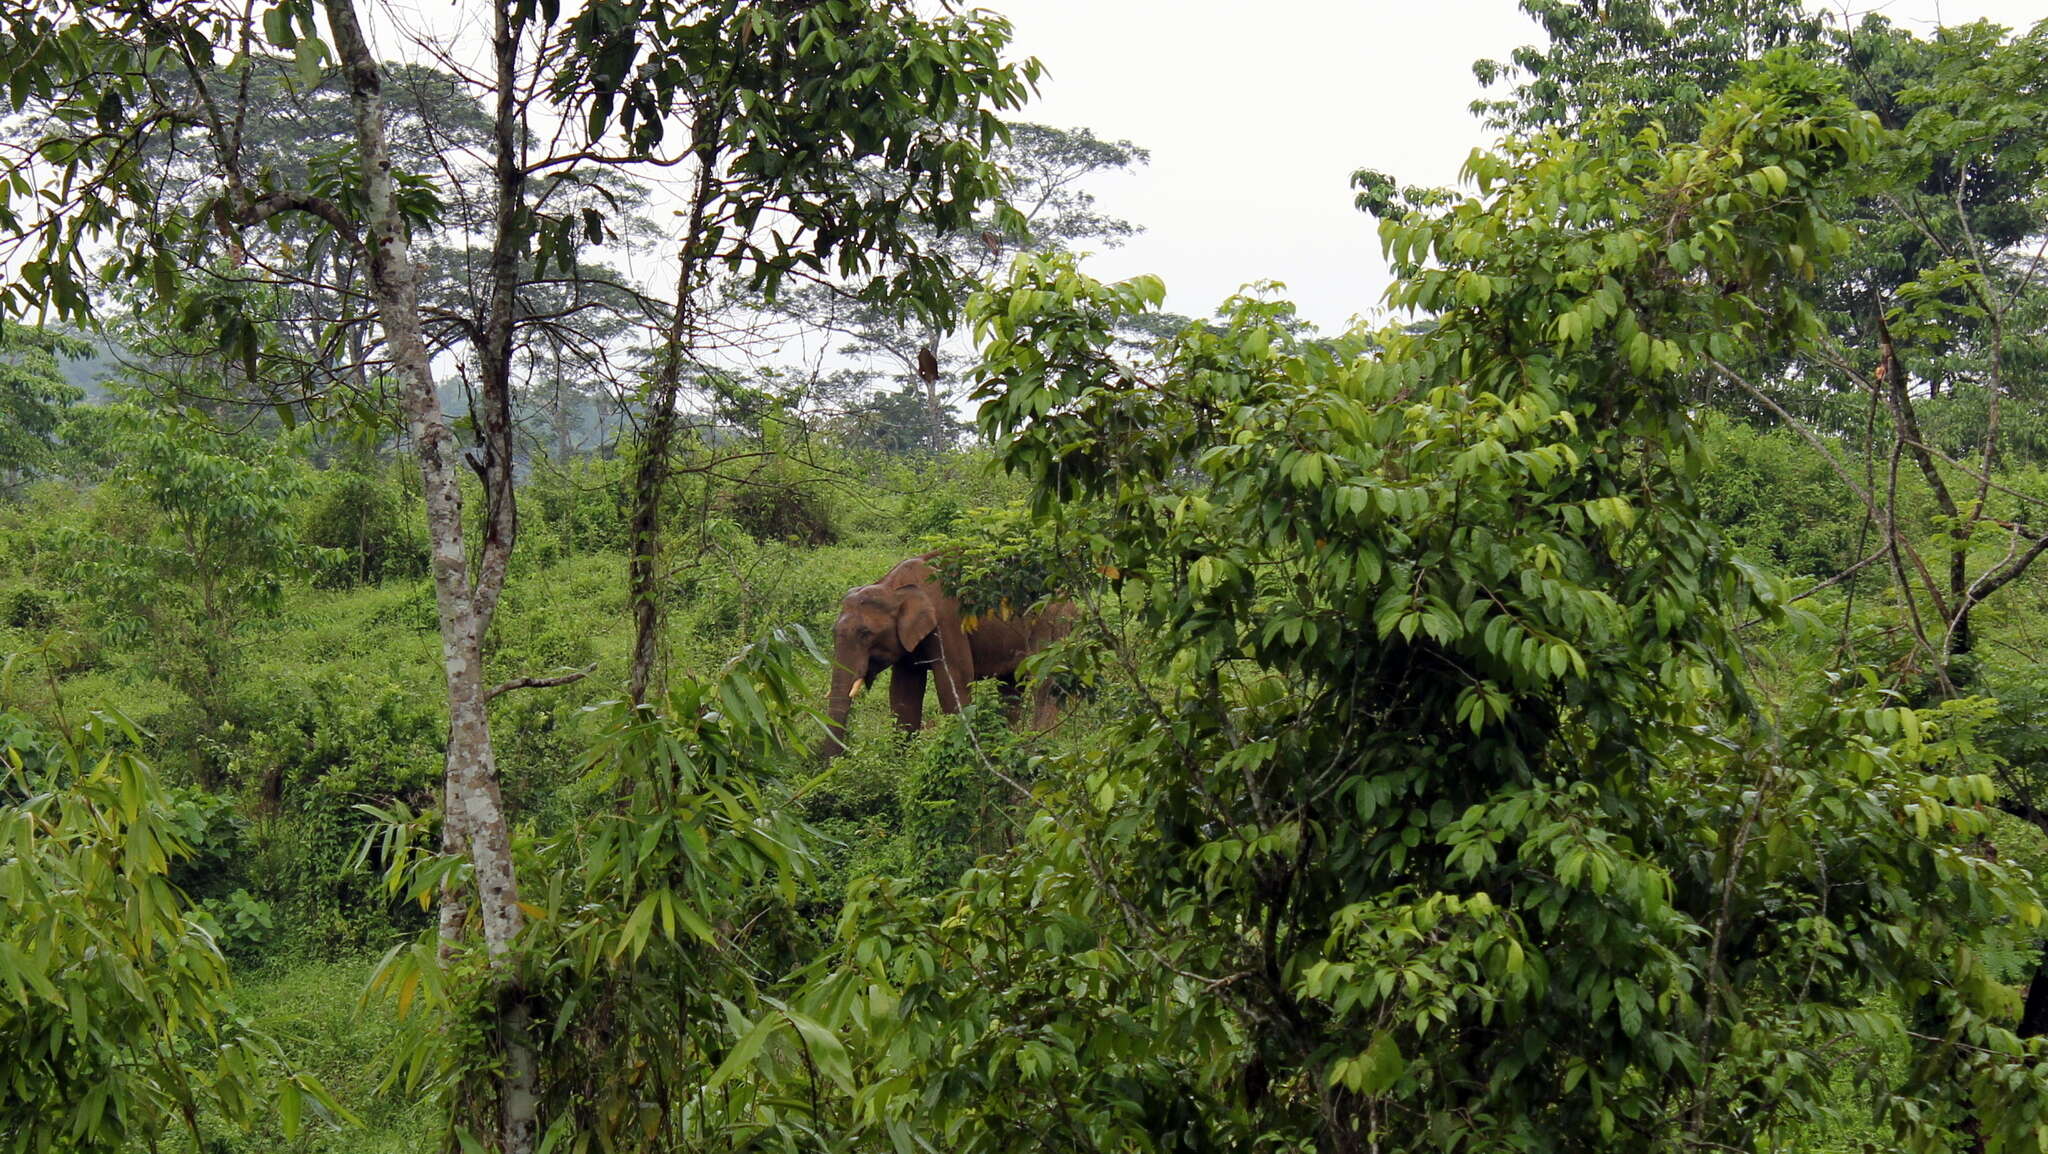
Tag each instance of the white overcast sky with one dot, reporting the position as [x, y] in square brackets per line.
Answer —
[1258, 113]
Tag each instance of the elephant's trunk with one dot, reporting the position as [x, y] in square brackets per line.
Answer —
[838, 703]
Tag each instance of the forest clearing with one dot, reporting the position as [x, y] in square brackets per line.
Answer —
[615, 577]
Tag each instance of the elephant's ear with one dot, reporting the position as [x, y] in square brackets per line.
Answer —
[917, 619]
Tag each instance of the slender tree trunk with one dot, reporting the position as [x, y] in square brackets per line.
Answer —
[1957, 639]
[650, 472]
[494, 424]
[475, 807]
[563, 422]
[643, 580]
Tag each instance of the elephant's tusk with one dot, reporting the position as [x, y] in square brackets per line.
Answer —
[859, 683]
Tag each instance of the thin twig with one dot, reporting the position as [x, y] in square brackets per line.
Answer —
[1841, 471]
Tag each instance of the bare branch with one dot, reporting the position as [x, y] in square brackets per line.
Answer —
[1841, 471]
[256, 210]
[570, 677]
[2006, 573]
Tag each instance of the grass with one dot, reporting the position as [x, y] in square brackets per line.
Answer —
[317, 1012]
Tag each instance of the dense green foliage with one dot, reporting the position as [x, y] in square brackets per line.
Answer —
[1600, 712]
[115, 1018]
[34, 399]
[1452, 811]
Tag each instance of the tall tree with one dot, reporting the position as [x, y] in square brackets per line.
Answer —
[217, 549]
[1918, 389]
[785, 118]
[1940, 296]
[1046, 173]
[33, 398]
[100, 83]
[1656, 59]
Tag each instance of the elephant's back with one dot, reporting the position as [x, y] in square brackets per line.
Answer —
[1000, 644]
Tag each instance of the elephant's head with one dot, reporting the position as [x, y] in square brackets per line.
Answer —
[879, 626]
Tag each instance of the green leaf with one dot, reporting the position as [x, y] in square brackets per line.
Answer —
[277, 28]
[288, 1106]
[745, 1050]
[1383, 1064]
[633, 936]
[826, 1050]
[309, 60]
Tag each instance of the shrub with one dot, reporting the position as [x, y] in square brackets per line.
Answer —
[958, 792]
[737, 586]
[1003, 562]
[365, 527]
[32, 610]
[303, 755]
[581, 504]
[931, 514]
[785, 511]
[242, 923]
[1778, 501]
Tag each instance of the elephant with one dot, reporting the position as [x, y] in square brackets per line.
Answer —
[907, 624]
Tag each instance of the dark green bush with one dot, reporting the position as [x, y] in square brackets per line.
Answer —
[216, 832]
[788, 511]
[958, 796]
[372, 533]
[301, 755]
[853, 806]
[932, 514]
[31, 609]
[735, 586]
[1778, 501]
[583, 504]
[244, 924]
[415, 612]
[861, 785]
[1000, 561]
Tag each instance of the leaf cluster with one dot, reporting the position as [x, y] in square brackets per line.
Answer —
[1449, 810]
[652, 920]
[114, 1008]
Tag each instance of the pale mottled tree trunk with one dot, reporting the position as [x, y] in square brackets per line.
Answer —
[475, 813]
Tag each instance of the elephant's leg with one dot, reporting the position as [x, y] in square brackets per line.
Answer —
[1013, 697]
[906, 695]
[952, 695]
[1045, 708]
